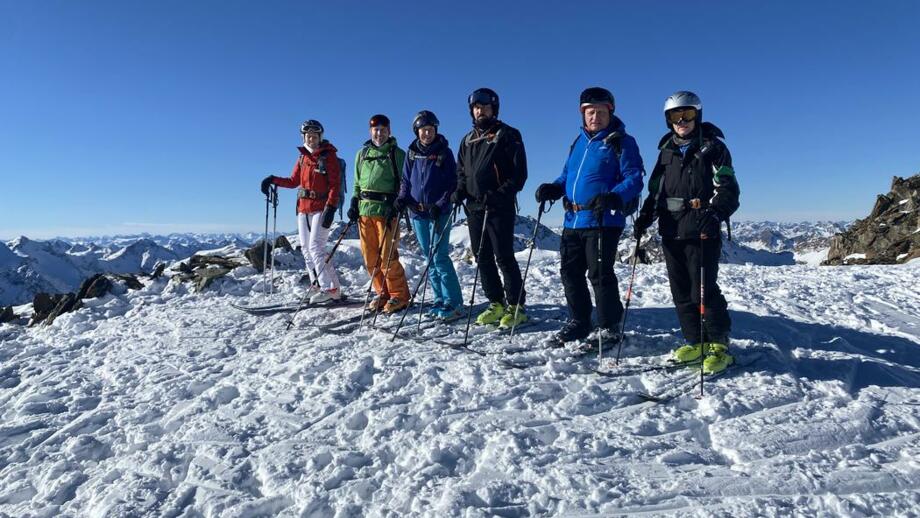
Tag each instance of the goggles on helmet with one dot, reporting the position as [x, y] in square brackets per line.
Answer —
[688, 114]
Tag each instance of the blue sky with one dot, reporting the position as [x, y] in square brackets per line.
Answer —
[120, 117]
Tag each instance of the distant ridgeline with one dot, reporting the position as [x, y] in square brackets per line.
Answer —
[891, 233]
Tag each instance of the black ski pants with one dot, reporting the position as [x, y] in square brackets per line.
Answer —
[683, 258]
[497, 247]
[581, 252]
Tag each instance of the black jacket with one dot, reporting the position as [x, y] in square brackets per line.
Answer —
[493, 160]
[705, 172]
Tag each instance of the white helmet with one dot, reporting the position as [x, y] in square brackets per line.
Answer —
[682, 99]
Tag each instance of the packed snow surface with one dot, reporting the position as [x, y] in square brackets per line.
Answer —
[165, 402]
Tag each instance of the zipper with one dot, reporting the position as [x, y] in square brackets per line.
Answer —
[578, 175]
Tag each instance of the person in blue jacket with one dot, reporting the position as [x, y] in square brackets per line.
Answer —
[601, 177]
[429, 177]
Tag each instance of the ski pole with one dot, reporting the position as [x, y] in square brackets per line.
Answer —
[533, 244]
[629, 292]
[325, 263]
[367, 294]
[394, 236]
[274, 191]
[600, 287]
[431, 249]
[702, 311]
[431, 255]
[482, 238]
[265, 245]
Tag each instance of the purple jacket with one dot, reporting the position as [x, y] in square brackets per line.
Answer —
[429, 177]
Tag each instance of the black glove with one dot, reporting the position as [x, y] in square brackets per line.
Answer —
[434, 212]
[267, 183]
[491, 199]
[400, 204]
[328, 216]
[642, 223]
[549, 192]
[458, 197]
[353, 210]
[604, 202]
[709, 224]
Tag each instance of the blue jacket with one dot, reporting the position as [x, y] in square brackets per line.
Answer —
[592, 168]
[429, 177]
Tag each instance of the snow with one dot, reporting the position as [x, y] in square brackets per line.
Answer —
[167, 402]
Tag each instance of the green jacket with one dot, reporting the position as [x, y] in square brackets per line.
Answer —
[374, 172]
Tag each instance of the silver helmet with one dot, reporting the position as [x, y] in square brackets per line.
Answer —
[682, 99]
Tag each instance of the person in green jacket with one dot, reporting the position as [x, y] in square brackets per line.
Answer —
[377, 172]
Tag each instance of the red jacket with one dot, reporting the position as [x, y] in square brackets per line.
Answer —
[306, 175]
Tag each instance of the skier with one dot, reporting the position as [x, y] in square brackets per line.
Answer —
[429, 178]
[692, 190]
[377, 174]
[601, 176]
[491, 170]
[317, 176]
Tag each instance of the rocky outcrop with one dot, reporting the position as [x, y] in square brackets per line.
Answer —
[256, 255]
[47, 307]
[889, 235]
[7, 315]
[202, 270]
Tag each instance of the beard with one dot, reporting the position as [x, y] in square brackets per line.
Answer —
[484, 123]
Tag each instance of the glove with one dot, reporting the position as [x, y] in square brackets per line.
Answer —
[434, 212]
[642, 223]
[604, 202]
[458, 197]
[353, 210]
[549, 192]
[328, 216]
[709, 224]
[400, 204]
[490, 199]
[267, 183]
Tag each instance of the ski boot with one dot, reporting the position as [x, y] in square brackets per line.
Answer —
[377, 303]
[395, 304]
[571, 331]
[449, 314]
[492, 315]
[688, 353]
[326, 295]
[717, 359]
[508, 320]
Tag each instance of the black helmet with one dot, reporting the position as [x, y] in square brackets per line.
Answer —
[596, 95]
[309, 126]
[424, 118]
[483, 96]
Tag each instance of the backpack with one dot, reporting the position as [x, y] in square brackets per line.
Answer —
[615, 141]
[342, 168]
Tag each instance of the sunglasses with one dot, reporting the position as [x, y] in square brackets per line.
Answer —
[682, 114]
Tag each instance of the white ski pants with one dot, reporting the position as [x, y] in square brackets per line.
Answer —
[313, 245]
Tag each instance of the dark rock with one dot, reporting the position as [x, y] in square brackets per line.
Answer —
[130, 281]
[256, 255]
[95, 286]
[42, 306]
[283, 243]
[206, 261]
[7, 315]
[206, 276]
[158, 271]
[888, 235]
[68, 302]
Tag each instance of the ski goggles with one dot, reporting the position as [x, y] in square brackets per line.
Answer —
[482, 98]
[682, 114]
[311, 127]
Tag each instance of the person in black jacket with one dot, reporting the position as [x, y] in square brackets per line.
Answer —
[491, 170]
[692, 190]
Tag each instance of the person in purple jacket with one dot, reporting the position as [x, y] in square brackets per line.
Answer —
[429, 178]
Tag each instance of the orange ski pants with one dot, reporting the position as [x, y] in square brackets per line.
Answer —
[388, 282]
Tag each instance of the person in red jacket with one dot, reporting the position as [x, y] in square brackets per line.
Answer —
[318, 178]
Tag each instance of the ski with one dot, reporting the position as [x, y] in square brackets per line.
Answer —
[642, 369]
[693, 382]
[288, 307]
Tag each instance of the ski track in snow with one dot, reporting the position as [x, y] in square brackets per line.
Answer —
[177, 404]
